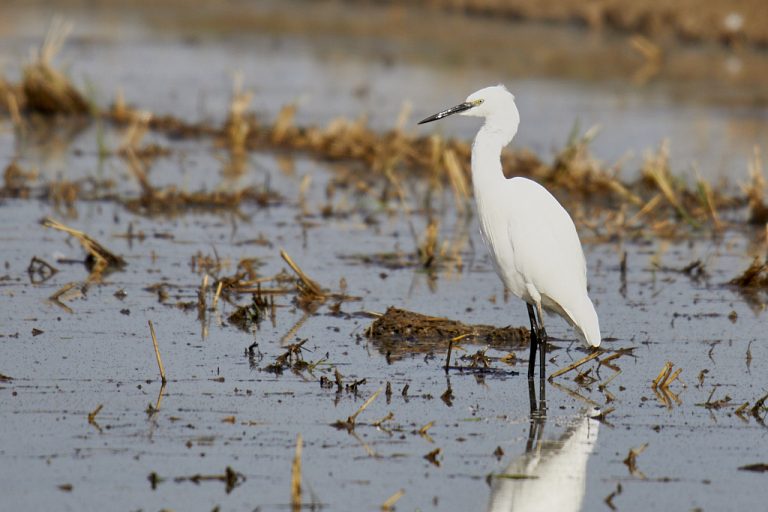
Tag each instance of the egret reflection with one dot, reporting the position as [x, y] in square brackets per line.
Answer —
[551, 474]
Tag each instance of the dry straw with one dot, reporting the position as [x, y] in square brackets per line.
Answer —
[296, 475]
[157, 352]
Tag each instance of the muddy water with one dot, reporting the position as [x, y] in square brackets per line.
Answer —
[220, 407]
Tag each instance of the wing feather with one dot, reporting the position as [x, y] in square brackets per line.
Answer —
[546, 246]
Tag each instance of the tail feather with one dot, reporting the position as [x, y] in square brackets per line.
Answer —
[584, 319]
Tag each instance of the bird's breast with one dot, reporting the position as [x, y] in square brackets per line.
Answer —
[493, 229]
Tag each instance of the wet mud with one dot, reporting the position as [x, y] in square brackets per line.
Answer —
[398, 326]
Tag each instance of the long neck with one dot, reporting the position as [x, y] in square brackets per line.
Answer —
[487, 173]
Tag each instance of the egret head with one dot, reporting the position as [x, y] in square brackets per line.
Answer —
[494, 101]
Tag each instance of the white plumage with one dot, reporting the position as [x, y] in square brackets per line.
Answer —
[531, 238]
[555, 473]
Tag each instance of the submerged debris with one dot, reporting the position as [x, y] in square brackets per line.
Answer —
[40, 271]
[432, 457]
[92, 416]
[631, 460]
[349, 423]
[609, 499]
[478, 359]
[401, 325]
[292, 358]
[756, 276]
[99, 257]
[389, 503]
[67, 292]
[759, 468]
[716, 404]
[230, 477]
[759, 408]
[696, 270]
[250, 315]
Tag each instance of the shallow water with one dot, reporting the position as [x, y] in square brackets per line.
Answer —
[101, 354]
[183, 64]
[221, 409]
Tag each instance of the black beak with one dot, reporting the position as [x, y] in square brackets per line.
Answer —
[461, 107]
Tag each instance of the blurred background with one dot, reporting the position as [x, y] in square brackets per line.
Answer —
[641, 71]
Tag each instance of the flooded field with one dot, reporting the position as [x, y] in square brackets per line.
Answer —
[332, 62]
[265, 270]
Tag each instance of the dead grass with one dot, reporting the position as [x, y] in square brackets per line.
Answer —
[389, 503]
[99, 258]
[308, 288]
[160, 366]
[595, 354]
[382, 164]
[296, 475]
[631, 460]
[237, 125]
[171, 201]
[230, 478]
[755, 190]
[397, 326]
[17, 182]
[250, 315]
[755, 276]
[428, 249]
[47, 90]
[350, 423]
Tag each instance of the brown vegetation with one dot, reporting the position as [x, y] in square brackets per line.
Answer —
[658, 204]
[401, 325]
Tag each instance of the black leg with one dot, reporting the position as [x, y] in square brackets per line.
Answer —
[542, 396]
[533, 418]
[534, 340]
[532, 397]
[538, 416]
[542, 338]
[542, 354]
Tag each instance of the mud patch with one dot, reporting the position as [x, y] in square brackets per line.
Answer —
[398, 325]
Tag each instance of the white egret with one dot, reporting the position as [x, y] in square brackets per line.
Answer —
[532, 240]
